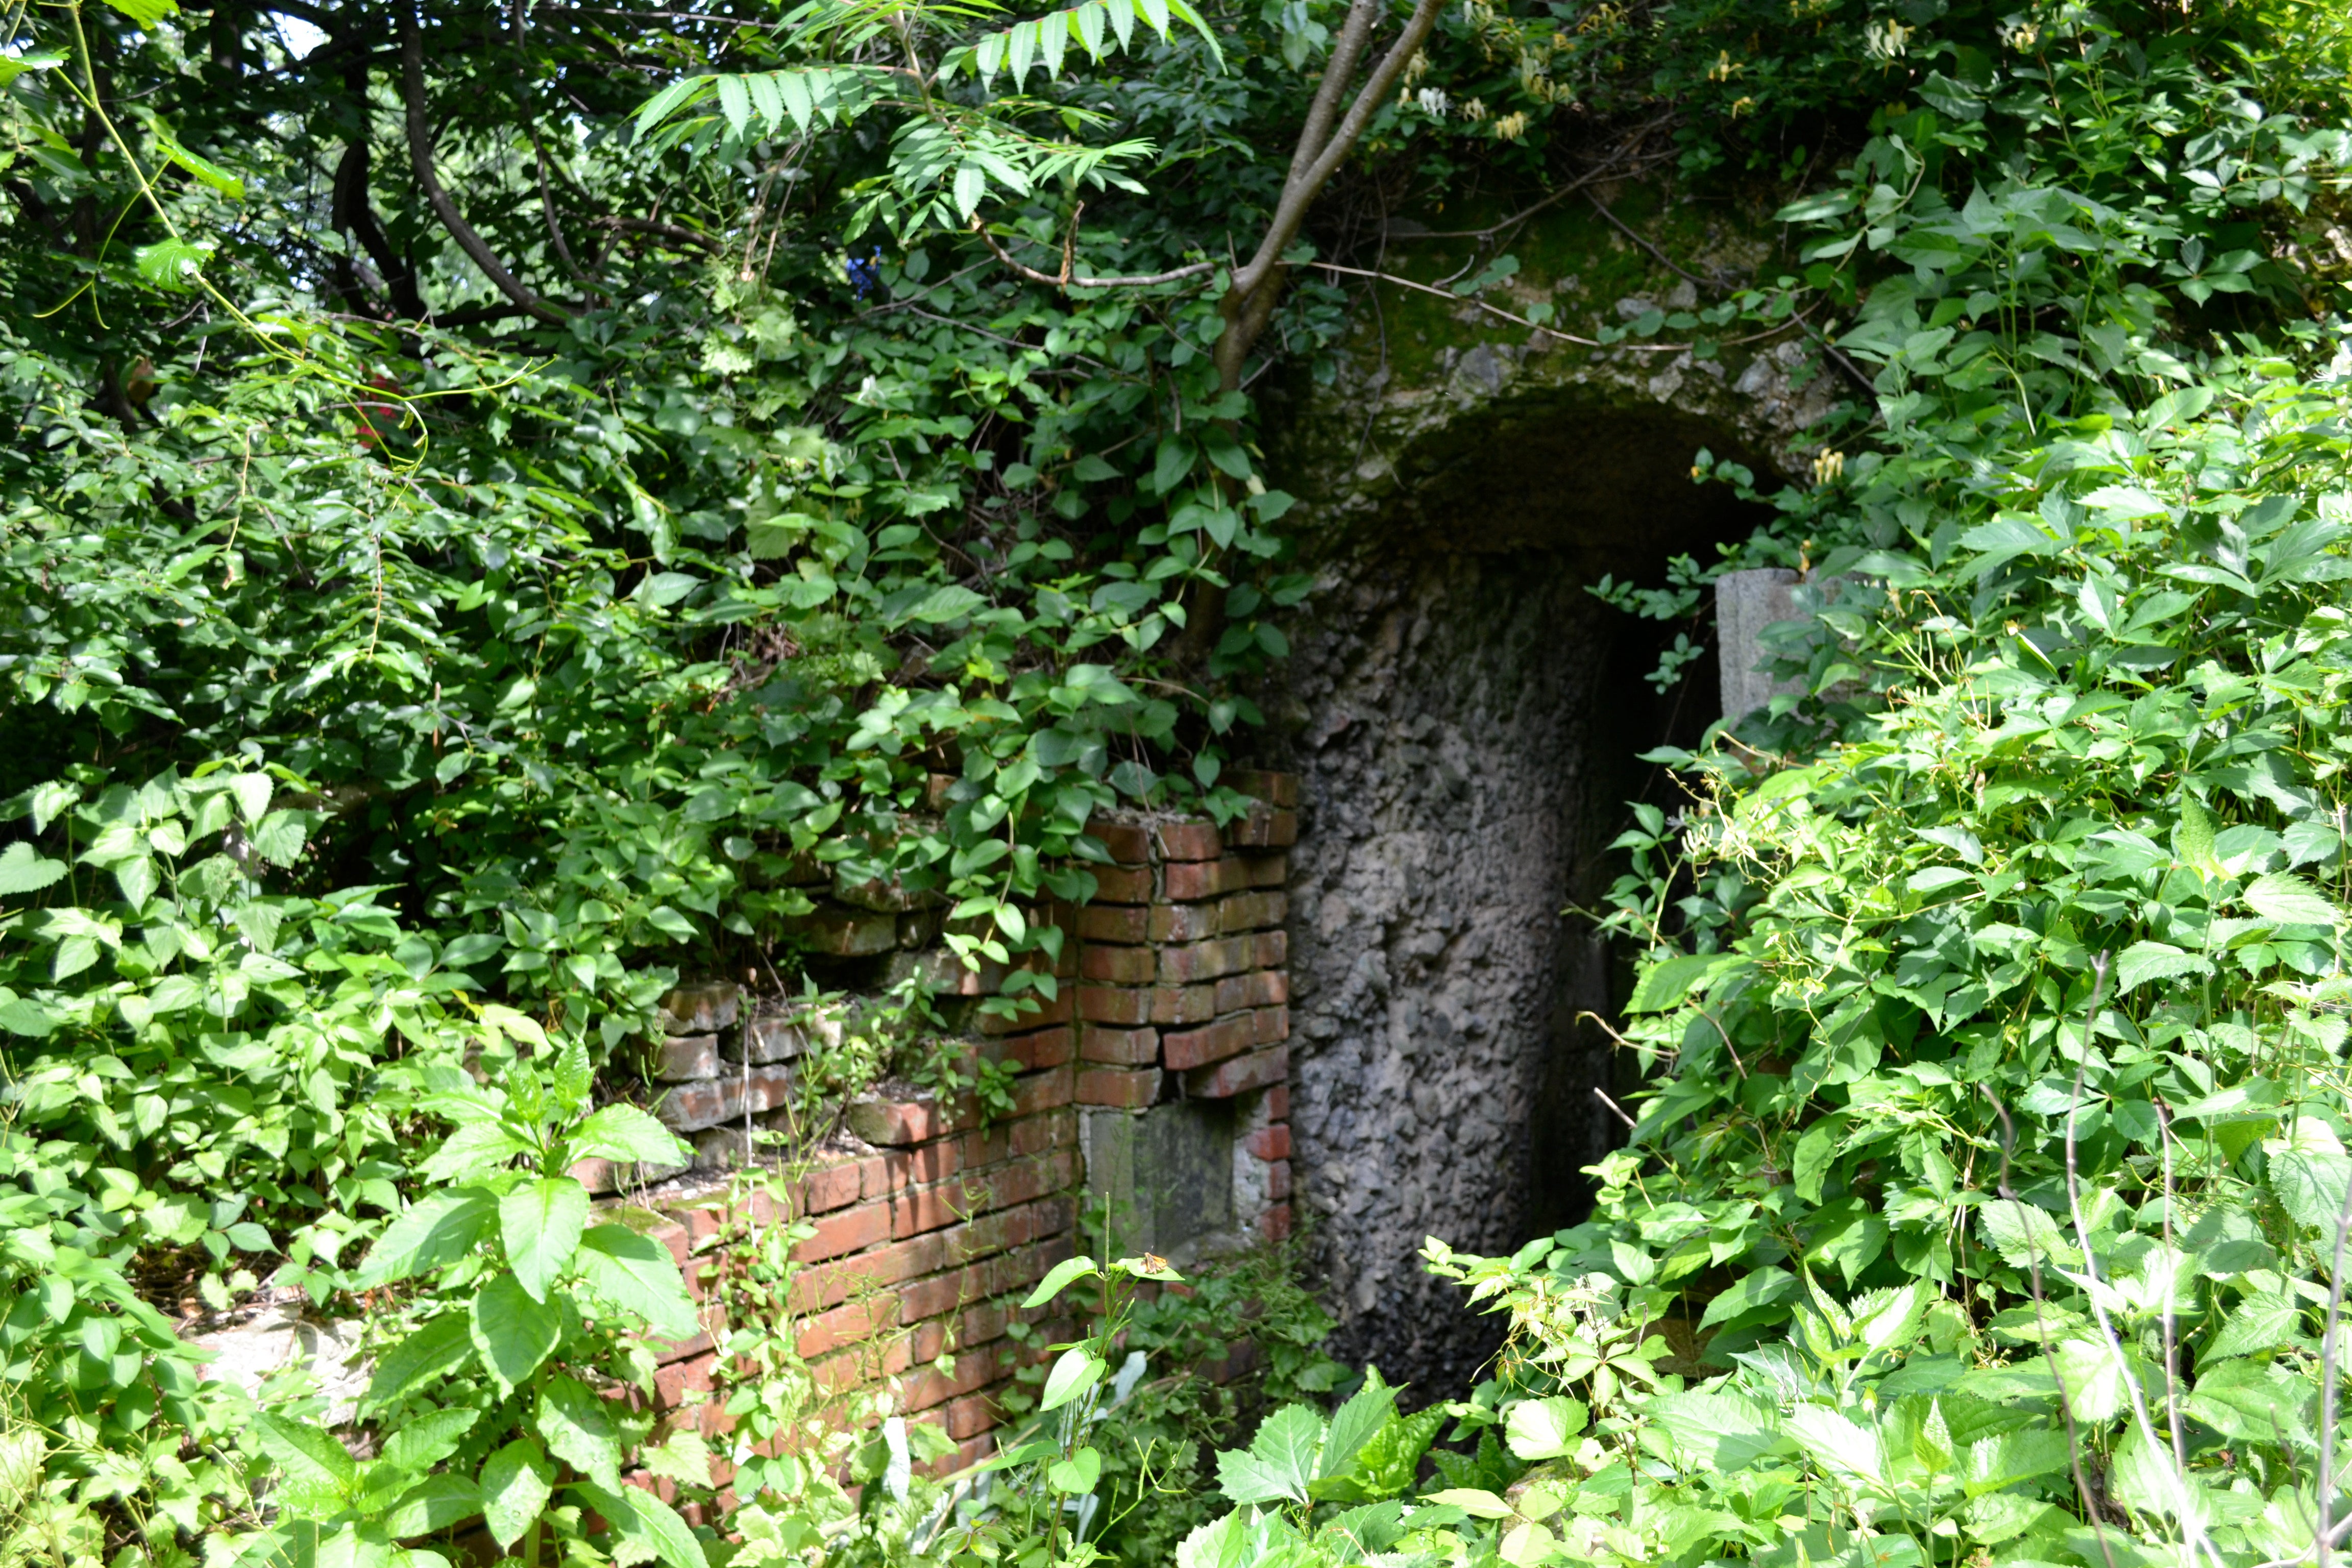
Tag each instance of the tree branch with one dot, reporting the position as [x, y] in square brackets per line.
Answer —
[1249, 299]
[420, 157]
[1133, 281]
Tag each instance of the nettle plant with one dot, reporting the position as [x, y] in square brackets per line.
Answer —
[497, 1398]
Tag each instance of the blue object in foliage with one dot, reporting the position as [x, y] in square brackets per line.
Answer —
[866, 275]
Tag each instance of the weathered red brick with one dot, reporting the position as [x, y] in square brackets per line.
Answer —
[1277, 1102]
[1119, 965]
[1183, 1048]
[1273, 1024]
[1270, 1142]
[1257, 1070]
[1127, 1088]
[1268, 871]
[673, 1382]
[1251, 911]
[1187, 841]
[1275, 1222]
[1121, 884]
[1277, 1180]
[1189, 881]
[1181, 923]
[927, 1208]
[1264, 828]
[1129, 842]
[1045, 1048]
[896, 1122]
[851, 1323]
[1124, 1005]
[1119, 923]
[1274, 789]
[1206, 960]
[974, 1370]
[691, 1107]
[1031, 1012]
[1273, 949]
[970, 1415]
[1119, 1048]
[830, 1187]
[843, 1232]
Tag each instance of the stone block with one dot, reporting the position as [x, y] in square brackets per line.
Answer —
[680, 1059]
[841, 933]
[691, 1107]
[1168, 1169]
[723, 1148]
[703, 1007]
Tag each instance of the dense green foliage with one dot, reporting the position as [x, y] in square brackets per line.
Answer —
[427, 634]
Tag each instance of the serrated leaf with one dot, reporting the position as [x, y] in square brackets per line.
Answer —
[1472, 1501]
[2145, 961]
[2290, 900]
[22, 869]
[1355, 1424]
[318, 1474]
[203, 169]
[146, 12]
[1665, 983]
[2023, 1234]
[173, 265]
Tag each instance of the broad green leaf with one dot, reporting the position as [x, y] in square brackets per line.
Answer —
[1665, 985]
[627, 1133]
[2145, 961]
[439, 1345]
[23, 870]
[146, 12]
[647, 1522]
[1753, 1292]
[515, 1485]
[1076, 1474]
[203, 169]
[432, 1505]
[1836, 1443]
[541, 1223]
[438, 1229]
[2024, 1235]
[2290, 900]
[318, 1474]
[514, 1332]
[1058, 1278]
[1280, 1461]
[1471, 1500]
[173, 265]
[579, 1431]
[1354, 1424]
[638, 1274]
[1544, 1428]
[424, 1441]
[1074, 1371]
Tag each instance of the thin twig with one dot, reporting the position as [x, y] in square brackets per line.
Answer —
[1141, 281]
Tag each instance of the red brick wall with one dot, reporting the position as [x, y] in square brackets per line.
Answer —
[929, 1224]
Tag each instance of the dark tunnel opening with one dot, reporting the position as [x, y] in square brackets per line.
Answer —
[1467, 721]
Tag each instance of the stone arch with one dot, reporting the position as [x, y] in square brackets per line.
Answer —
[1464, 719]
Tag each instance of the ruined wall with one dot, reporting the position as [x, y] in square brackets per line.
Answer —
[1158, 1074]
[1464, 719]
